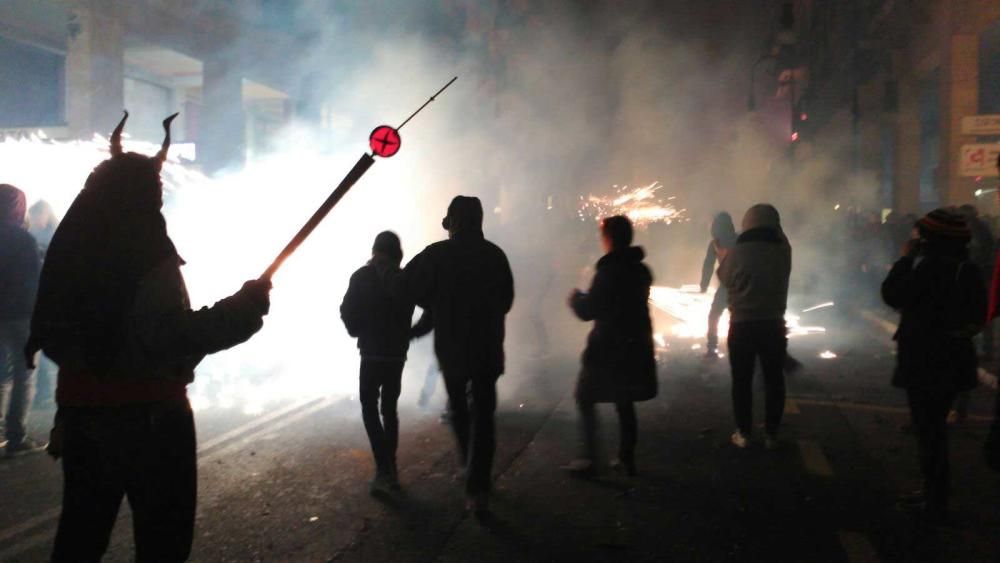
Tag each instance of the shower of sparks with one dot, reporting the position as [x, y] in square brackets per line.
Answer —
[818, 307]
[641, 205]
[689, 308]
[228, 229]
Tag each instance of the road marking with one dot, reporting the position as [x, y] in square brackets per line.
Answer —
[791, 407]
[875, 408]
[814, 459]
[857, 547]
[239, 436]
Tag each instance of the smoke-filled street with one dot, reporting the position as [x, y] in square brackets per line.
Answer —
[290, 484]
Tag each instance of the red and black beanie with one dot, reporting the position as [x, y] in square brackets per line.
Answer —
[944, 223]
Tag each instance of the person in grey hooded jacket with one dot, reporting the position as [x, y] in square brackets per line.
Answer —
[755, 272]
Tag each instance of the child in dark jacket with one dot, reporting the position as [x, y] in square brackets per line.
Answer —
[381, 323]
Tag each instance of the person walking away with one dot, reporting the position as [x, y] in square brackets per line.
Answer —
[19, 270]
[42, 223]
[467, 282]
[756, 272]
[723, 237]
[619, 363]
[940, 296]
[113, 313]
[381, 323]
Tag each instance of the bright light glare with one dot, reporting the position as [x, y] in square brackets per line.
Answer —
[689, 308]
[229, 229]
[827, 355]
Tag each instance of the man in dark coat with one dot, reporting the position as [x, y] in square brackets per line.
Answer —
[941, 299]
[723, 237]
[619, 364]
[114, 314]
[467, 283]
[381, 323]
[19, 268]
[755, 272]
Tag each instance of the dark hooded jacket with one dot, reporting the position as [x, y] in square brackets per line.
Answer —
[942, 304]
[619, 363]
[19, 260]
[379, 321]
[467, 284]
[723, 235]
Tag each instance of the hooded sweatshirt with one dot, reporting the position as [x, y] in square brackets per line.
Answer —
[19, 259]
[757, 269]
[723, 235]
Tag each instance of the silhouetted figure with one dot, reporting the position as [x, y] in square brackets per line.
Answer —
[941, 299]
[467, 283]
[723, 236]
[619, 365]
[756, 272]
[114, 315]
[381, 323]
[42, 223]
[19, 268]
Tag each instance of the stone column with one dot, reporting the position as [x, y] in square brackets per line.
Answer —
[94, 68]
[906, 161]
[222, 128]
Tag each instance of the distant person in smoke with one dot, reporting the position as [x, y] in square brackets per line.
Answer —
[114, 314]
[381, 323]
[42, 223]
[467, 283]
[19, 269]
[723, 237]
[619, 362]
[756, 272]
[941, 299]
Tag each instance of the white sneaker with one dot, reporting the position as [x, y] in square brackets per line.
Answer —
[739, 440]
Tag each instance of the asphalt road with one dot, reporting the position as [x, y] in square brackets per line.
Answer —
[290, 484]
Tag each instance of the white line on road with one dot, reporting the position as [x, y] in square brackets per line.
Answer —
[251, 430]
[814, 459]
[857, 547]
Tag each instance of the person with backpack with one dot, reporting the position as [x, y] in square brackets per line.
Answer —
[941, 299]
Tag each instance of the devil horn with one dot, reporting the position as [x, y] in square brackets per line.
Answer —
[162, 155]
[116, 136]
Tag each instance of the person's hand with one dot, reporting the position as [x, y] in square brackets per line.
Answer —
[257, 294]
[573, 296]
[911, 248]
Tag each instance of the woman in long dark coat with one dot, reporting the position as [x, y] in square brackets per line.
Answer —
[619, 365]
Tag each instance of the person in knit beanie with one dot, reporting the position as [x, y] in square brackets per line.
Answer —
[941, 299]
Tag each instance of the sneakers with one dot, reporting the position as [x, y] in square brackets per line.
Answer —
[739, 440]
[628, 467]
[3, 443]
[380, 485]
[479, 505]
[771, 442]
[583, 468]
[24, 447]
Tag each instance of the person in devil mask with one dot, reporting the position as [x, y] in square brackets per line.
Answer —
[467, 283]
[113, 313]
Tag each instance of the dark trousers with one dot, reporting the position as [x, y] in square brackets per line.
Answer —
[381, 379]
[749, 341]
[719, 304]
[143, 452]
[17, 382]
[628, 427]
[473, 425]
[929, 412]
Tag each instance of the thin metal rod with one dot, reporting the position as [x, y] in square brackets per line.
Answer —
[434, 97]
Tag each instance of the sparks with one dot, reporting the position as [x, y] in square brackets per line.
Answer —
[641, 205]
[827, 355]
[689, 308]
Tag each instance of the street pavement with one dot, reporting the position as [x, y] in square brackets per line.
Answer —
[290, 484]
